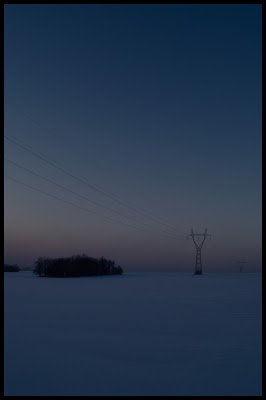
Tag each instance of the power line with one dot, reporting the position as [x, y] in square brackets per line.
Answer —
[68, 202]
[49, 158]
[89, 185]
[158, 221]
[82, 208]
[44, 155]
[77, 194]
[30, 147]
[39, 125]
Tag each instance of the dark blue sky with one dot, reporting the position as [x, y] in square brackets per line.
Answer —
[160, 106]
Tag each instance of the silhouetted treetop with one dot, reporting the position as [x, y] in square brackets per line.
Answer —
[80, 265]
[11, 268]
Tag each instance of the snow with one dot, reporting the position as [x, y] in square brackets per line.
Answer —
[137, 334]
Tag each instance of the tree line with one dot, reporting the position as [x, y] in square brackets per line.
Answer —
[11, 268]
[75, 266]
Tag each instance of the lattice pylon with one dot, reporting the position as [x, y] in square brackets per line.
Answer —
[198, 264]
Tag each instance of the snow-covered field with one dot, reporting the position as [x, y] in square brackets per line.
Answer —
[135, 334]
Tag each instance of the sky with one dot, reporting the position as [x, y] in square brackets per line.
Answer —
[126, 126]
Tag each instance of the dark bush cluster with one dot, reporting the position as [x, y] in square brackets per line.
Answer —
[75, 266]
[11, 268]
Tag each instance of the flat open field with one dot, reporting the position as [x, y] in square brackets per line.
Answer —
[134, 334]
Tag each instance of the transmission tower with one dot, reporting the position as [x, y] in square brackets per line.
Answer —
[198, 265]
[241, 265]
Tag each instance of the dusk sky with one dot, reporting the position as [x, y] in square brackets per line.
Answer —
[147, 119]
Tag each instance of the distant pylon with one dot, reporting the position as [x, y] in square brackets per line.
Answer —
[198, 265]
[241, 265]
